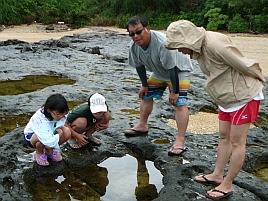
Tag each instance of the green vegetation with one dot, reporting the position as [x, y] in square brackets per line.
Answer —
[230, 15]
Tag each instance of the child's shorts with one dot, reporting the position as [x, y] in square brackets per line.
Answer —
[27, 139]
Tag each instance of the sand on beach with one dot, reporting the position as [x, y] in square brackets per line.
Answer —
[252, 46]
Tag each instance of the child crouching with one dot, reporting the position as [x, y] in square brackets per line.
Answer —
[46, 131]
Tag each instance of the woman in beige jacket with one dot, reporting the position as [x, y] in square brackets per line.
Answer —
[235, 83]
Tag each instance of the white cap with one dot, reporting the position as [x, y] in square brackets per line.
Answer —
[97, 103]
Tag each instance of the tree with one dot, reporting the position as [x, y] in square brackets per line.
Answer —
[215, 19]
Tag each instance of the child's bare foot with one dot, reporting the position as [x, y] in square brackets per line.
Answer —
[55, 156]
[41, 160]
[73, 144]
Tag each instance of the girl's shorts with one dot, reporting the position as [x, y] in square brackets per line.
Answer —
[246, 114]
[27, 139]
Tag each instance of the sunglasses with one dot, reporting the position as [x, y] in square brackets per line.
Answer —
[137, 32]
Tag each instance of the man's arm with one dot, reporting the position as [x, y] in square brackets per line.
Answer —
[174, 78]
[142, 74]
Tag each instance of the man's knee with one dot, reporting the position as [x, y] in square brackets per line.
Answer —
[181, 108]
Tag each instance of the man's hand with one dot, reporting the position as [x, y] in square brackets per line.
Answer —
[143, 91]
[173, 98]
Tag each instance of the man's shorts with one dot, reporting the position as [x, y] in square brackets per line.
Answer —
[157, 87]
[27, 139]
[246, 114]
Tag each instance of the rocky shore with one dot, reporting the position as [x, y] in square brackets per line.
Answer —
[98, 62]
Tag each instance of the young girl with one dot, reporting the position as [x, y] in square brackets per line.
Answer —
[46, 131]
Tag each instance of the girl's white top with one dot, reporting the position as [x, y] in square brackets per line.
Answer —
[45, 129]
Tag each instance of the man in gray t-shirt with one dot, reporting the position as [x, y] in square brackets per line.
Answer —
[169, 69]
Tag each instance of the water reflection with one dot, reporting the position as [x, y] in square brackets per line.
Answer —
[115, 179]
[87, 183]
[131, 179]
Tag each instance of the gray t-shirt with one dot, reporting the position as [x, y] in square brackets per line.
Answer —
[156, 58]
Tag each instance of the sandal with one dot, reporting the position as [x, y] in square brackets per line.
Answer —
[224, 194]
[174, 150]
[73, 144]
[41, 160]
[95, 141]
[55, 156]
[204, 179]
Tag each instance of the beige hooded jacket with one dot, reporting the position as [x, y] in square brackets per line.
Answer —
[232, 79]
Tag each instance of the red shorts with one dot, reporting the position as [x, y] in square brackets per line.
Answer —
[246, 114]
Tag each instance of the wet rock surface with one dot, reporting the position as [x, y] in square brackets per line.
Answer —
[98, 62]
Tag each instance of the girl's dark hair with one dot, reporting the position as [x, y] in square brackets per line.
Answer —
[136, 20]
[55, 102]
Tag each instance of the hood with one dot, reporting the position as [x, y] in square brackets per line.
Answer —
[184, 34]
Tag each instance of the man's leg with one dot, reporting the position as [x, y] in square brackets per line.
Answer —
[181, 114]
[182, 118]
[238, 138]
[146, 107]
[155, 90]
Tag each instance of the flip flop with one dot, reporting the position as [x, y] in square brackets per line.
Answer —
[171, 153]
[93, 139]
[224, 194]
[71, 143]
[206, 180]
[42, 158]
[133, 132]
[55, 156]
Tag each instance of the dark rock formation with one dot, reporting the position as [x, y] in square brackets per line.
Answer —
[98, 61]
